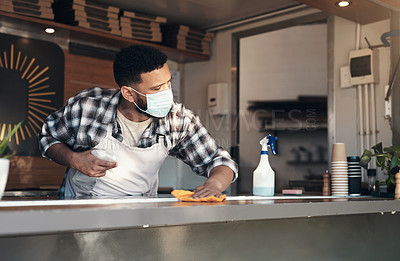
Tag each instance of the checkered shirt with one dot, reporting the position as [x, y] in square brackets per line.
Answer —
[82, 124]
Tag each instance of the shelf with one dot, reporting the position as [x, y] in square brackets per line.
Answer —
[307, 162]
[310, 128]
[85, 34]
[303, 103]
[307, 113]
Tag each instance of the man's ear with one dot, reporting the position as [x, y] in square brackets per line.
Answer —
[127, 93]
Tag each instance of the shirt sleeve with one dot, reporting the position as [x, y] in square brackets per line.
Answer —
[74, 124]
[56, 129]
[199, 150]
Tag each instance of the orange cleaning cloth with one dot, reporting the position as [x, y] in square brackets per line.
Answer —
[185, 195]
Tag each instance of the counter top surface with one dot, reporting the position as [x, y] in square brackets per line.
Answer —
[52, 216]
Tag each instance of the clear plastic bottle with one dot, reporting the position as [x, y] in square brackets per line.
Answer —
[371, 173]
[263, 175]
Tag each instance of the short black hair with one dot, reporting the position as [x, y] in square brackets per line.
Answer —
[132, 61]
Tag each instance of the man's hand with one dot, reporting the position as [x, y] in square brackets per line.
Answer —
[220, 178]
[85, 162]
[90, 165]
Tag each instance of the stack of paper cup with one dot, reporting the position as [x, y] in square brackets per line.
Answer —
[339, 171]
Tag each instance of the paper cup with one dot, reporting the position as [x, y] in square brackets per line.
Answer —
[342, 173]
[341, 192]
[339, 152]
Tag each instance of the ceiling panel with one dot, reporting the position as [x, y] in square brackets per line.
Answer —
[203, 13]
[392, 4]
[360, 11]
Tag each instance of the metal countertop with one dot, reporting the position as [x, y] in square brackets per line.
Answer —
[54, 216]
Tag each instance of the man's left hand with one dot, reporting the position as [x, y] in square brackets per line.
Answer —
[204, 191]
[219, 179]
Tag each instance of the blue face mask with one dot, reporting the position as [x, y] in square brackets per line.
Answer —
[158, 104]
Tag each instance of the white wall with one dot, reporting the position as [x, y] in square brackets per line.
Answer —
[345, 100]
[284, 64]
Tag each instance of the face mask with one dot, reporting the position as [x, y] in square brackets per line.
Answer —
[158, 104]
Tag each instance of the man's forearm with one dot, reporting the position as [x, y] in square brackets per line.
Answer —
[61, 154]
[219, 180]
[221, 177]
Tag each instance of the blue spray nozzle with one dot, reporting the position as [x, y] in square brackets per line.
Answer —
[269, 140]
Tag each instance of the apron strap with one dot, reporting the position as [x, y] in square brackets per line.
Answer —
[164, 141]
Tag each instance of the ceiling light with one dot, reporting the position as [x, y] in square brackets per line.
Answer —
[50, 30]
[343, 3]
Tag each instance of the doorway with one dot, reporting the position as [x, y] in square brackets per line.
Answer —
[282, 90]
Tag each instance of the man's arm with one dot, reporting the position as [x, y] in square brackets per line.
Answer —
[84, 161]
[219, 179]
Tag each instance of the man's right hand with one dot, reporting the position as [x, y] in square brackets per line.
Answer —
[90, 165]
[84, 161]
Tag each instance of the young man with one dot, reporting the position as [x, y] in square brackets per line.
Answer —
[114, 141]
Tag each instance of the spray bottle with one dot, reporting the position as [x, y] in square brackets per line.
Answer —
[263, 175]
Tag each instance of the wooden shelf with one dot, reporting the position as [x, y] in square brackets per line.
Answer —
[85, 34]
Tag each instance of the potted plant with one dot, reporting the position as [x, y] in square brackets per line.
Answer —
[387, 159]
[4, 159]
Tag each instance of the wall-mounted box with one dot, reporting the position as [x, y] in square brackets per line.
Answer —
[218, 98]
[364, 66]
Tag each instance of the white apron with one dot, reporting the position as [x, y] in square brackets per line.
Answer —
[136, 173]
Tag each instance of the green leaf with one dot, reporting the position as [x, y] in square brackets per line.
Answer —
[391, 180]
[394, 162]
[378, 148]
[4, 142]
[365, 158]
[380, 161]
[396, 148]
[389, 150]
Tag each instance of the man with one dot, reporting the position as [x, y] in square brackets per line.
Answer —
[114, 141]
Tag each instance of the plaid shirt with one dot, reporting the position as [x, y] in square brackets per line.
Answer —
[83, 122]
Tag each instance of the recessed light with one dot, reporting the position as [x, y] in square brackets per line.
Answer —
[343, 3]
[50, 30]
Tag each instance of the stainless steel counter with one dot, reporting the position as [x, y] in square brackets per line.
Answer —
[267, 219]
[53, 216]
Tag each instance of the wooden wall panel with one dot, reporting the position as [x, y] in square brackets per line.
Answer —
[86, 72]
[34, 172]
[80, 73]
